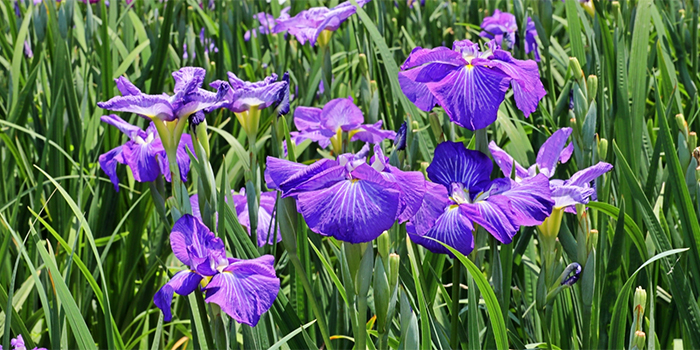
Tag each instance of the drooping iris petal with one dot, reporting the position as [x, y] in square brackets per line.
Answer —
[506, 162]
[149, 106]
[454, 163]
[190, 238]
[528, 89]
[411, 185]
[140, 156]
[265, 233]
[531, 200]
[126, 87]
[108, 163]
[530, 39]
[471, 95]
[182, 158]
[418, 93]
[585, 176]
[129, 130]
[245, 289]
[183, 283]
[495, 215]
[551, 151]
[356, 210]
[452, 228]
[433, 205]
[568, 195]
[286, 175]
[261, 94]
[372, 133]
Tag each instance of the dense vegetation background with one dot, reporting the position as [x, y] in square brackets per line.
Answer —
[80, 263]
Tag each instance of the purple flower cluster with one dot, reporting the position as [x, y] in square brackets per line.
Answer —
[244, 289]
[468, 83]
[18, 344]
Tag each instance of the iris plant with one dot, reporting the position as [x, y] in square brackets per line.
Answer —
[265, 215]
[317, 23]
[18, 344]
[244, 289]
[326, 125]
[143, 153]
[267, 23]
[502, 28]
[348, 198]
[462, 196]
[565, 193]
[469, 84]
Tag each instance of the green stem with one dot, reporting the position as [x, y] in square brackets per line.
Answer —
[322, 325]
[454, 329]
[361, 337]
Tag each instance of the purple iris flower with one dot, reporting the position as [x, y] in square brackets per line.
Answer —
[18, 344]
[244, 289]
[347, 198]
[469, 84]
[326, 125]
[143, 153]
[265, 215]
[502, 28]
[262, 94]
[566, 193]
[267, 23]
[188, 97]
[309, 24]
[461, 196]
[208, 43]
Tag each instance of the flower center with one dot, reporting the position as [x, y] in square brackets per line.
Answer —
[459, 194]
[140, 141]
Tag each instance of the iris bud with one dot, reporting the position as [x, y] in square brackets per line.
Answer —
[363, 65]
[682, 124]
[575, 68]
[382, 294]
[394, 260]
[639, 339]
[640, 301]
[602, 149]
[364, 275]
[571, 274]
[383, 245]
[592, 86]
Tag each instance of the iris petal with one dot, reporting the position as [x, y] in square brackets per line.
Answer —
[495, 215]
[531, 200]
[452, 228]
[551, 151]
[471, 95]
[585, 176]
[183, 283]
[372, 133]
[354, 211]
[506, 162]
[245, 289]
[454, 163]
[108, 163]
[141, 158]
[527, 86]
[341, 113]
[149, 106]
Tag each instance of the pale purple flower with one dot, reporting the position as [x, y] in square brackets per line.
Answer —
[307, 25]
[267, 23]
[244, 289]
[503, 29]
[262, 94]
[566, 193]
[325, 125]
[188, 97]
[143, 153]
[470, 85]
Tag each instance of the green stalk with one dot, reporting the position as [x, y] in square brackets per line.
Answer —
[322, 325]
[454, 329]
[361, 337]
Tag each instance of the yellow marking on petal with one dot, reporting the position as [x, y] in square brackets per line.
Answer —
[205, 280]
[337, 141]
[354, 180]
[453, 206]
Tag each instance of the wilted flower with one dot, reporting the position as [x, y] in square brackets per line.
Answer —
[502, 28]
[265, 233]
[143, 153]
[348, 198]
[326, 125]
[267, 23]
[469, 84]
[308, 25]
[462, 195]
[244, 289]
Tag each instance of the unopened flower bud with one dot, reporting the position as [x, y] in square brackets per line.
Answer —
[682, 124]
[592, 86]
[571, 274]
[640, 301]
[575, 67]
[394, 260]
[602, 149]
[692, 140]
[383, 245]
[363, 66]
[639, 340]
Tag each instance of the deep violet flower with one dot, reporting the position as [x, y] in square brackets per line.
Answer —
[469, 84]
[461, 196]
[347, 198]
[244, 289]
[566, 193]
[571, 274]
[502, 28]
[266, 217]
[308, 25]
[188, 97]
[326, 125]
[143, 153]
[267, 23]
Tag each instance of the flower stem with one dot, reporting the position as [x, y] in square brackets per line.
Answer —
[361, 337]
[322, 325]
[454, 329]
